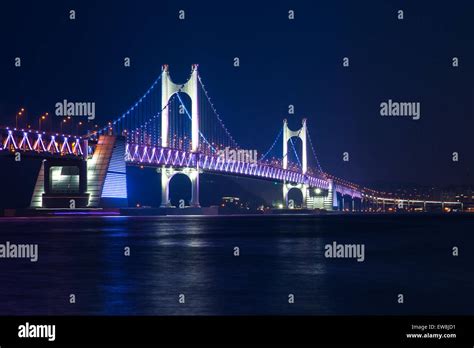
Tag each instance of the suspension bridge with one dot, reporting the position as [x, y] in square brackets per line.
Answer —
[177, 129]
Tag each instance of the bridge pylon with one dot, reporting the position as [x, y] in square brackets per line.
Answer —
[168, 89]
[287, 135]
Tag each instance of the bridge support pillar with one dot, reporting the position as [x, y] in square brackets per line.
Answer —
[168, 89]
[287, 135]
[166, 176]
[286, 189]
[329, 199]
[304, 192]
[194, 176]
[61, 183]
[165, 187]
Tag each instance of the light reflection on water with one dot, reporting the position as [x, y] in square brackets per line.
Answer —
[278, 256]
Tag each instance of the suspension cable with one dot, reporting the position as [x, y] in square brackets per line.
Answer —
[135, 105]
[216, 113]
[314, 151]
[294, 150]
[273, 145]
[189, 116]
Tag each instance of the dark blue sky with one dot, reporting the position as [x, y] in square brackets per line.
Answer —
[282, 62]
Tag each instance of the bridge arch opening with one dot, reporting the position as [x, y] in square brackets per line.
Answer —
[296, 196]
[180, 190]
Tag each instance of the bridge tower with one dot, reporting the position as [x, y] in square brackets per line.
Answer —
[168, 88]
[287, 135]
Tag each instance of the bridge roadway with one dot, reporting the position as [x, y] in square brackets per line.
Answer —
[157, 157]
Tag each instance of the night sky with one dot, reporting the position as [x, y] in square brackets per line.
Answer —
[282, 62]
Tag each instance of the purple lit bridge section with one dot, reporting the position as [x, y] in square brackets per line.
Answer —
[158, 156]
[42, 143]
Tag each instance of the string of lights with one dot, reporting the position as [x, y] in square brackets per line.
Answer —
[122, 118]
[294, 150]
[189, 116]
[314, 151]
[273, 145]
[234, 143]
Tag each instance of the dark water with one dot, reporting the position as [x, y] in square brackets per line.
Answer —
[279, 255]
